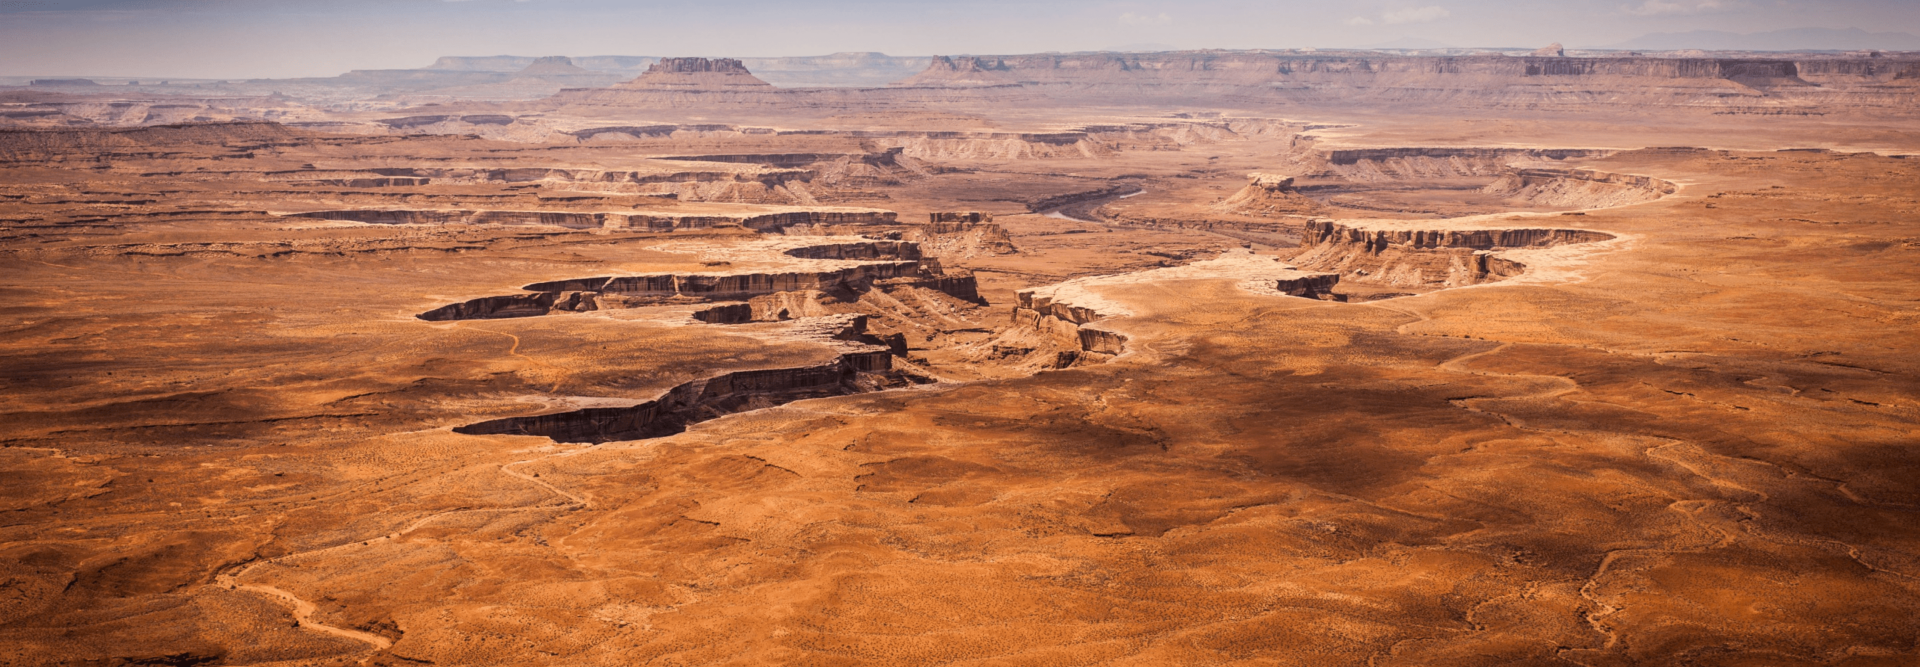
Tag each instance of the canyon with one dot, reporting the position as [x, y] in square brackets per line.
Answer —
[1210, 357]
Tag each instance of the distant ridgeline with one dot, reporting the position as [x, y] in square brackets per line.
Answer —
[1810, 84]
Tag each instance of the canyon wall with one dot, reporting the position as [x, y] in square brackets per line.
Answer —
[1067, 326]
[1423, 258]
[1578, 188]
[1379, 165]
[650, 222]
[701, 400]
[885, 265]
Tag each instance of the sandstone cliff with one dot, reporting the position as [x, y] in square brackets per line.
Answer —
[1578, 188]
[701, 400]
[649, 222]
[1420, 258]
[961, 235]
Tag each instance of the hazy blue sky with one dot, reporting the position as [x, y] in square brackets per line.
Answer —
[258, 38]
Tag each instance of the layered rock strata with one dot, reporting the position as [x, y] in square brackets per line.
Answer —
[645, 222]
[882, 265]
[1424, 258]
[1067, 314]
[1070, 326]
[1372, 165]
[1579, 188]
[705, 399]
[514, 305]
[961, 235]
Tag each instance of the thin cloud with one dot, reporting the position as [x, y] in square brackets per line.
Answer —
[1416, 15]
[1670, 7]
[1426, 14]
[1131, 18]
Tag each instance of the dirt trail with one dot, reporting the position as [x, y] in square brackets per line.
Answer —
[515, 352]
[303, 616]
[303, 610]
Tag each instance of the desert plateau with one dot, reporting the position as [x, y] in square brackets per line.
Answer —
[1188, 357]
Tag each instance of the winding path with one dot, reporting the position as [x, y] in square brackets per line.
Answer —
[303, 610]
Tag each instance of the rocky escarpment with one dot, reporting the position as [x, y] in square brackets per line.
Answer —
[1578, 188]
[1068, 326]
[735, 285]
[645, 222]
[1375, 165]
[1268, 195]
[884, 265]
[1312, 286]
[705, 399]
[961, 235]
[831, 176]
[868, 250]
[1086, 196]
[514, 305]
[1063, 318]
[1421, 259]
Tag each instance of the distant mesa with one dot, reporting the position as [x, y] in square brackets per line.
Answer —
[960, 71]
[63, 82]
[1795, 39]
[553, 65]
[482, 63]
[1553, 50]
[697, 74]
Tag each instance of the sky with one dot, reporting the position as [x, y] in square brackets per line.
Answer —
[289, 38]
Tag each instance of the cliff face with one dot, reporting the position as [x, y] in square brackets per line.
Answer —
[701, 400]
[1327, 232]
[1374, 165]
[1067, 326]
[961, 235]
[514, 305]
[1424, 259]
[1579, 188]
[885, 265]
[651, 222]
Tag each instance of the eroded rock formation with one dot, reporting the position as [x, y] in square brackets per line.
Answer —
[702, 400]
[1420, 258]
[882, 264]
[1425, 163]
[961, 235]
[1578, 188]
[1069, 327]
[1269, 195]
[649, 222]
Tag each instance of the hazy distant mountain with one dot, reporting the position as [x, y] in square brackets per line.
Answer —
[1796, 39]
